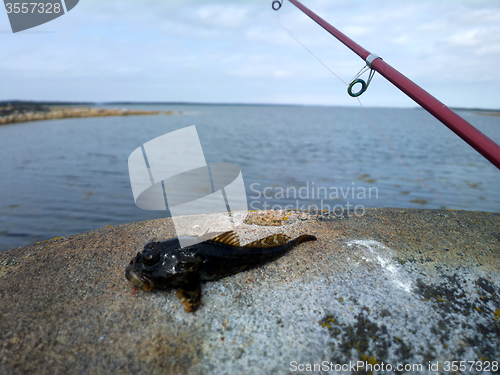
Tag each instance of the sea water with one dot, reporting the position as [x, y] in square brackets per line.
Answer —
[66, 176]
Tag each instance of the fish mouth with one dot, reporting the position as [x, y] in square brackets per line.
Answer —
[139, 281]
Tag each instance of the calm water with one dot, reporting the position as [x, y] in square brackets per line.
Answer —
[67, 176]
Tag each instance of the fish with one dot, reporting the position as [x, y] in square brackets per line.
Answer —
[165, 264]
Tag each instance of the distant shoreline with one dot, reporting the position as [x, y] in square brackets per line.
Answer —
[17, 112]
[492, 111]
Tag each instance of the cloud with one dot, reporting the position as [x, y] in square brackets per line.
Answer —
[165, 43]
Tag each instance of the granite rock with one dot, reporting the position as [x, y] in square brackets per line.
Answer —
[394, 286]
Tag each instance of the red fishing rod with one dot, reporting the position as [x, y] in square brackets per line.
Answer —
[480, 142]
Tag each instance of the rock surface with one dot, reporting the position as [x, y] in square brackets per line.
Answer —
[394, 286]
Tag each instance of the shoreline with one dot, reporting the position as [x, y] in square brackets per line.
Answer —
[12, 114]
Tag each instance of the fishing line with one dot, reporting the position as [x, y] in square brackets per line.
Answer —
[368, 117]
[308, 50]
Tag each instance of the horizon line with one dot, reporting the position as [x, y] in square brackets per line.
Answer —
[130, 102]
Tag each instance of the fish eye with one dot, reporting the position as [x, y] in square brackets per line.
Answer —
[150, 259]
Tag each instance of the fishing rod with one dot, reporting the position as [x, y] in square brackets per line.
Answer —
[480, 142]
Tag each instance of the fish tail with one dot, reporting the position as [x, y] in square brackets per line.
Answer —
[303, 238]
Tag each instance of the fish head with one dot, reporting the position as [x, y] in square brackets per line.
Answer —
[162, 264]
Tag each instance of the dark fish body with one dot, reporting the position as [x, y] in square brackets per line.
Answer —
[166, 264]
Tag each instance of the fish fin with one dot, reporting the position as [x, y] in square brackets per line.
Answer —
[190, 296]
[274, 240]
[227, 238]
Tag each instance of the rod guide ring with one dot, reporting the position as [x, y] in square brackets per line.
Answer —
[362, 90]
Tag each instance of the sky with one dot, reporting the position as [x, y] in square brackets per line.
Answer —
[238, 51]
